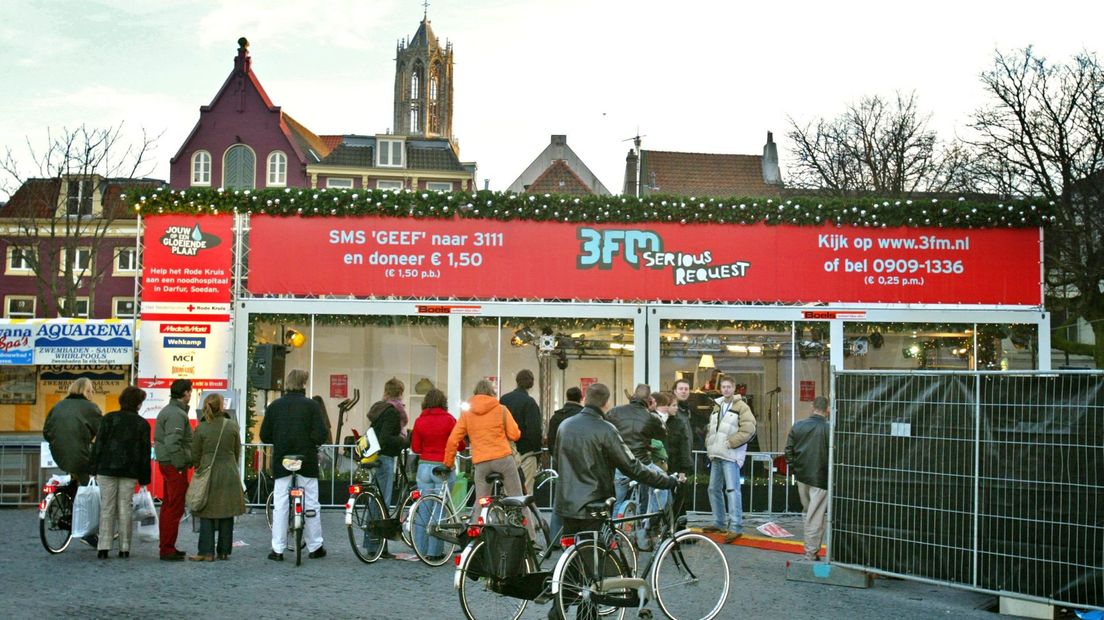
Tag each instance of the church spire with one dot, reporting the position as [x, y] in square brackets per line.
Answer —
[423, 84]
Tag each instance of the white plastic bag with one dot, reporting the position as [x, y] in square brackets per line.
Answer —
[86, 510]
[145, 516]
[143, 505]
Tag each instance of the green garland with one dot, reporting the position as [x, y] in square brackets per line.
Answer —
[802, 211]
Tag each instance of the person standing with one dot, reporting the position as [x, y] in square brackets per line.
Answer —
[807, 456]
[527, 415]
[70, 427]
[120, 459]
[293, 425]
[731, 427]
[680, 455]
[589, 450]
[388, 418]
[218, 446]
[490, 428]
[172, 442]
[573, 405]
[638, 427]
[428, 439]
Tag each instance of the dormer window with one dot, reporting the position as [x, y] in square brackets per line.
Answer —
[389, 153]
[78, 201]
[277, 169]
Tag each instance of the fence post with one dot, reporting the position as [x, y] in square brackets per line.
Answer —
[977, 476]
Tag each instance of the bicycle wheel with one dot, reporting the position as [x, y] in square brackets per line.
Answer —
[580, 570]
[402, 511]
[690, 578]
[55, 526]
[299, 545]
[268, 510]
[477, 598]
[427, 512]
[367, 544]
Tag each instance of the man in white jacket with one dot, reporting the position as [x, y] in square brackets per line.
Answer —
[731, 427]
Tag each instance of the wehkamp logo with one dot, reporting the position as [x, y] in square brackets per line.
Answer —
[185, 241]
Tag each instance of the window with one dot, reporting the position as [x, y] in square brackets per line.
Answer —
[437, 186]
[82, 261]
[277, 169]
[239, 168]
[414, 84]
[19, 307]
[390, 153]
[126, 261]
[414, 119]
[201, 168]
[79, 198]
[433, 88]
[389, 185]
[122, 307]
[80, 304]
[20, 261]
[339, 182]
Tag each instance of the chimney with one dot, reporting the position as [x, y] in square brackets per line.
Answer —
[242, 60]
[631, 168]
[772, 175]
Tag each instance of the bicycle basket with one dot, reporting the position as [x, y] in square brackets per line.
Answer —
[504, 547]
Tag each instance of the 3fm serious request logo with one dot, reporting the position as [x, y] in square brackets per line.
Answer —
[184, 241]
[644, 248]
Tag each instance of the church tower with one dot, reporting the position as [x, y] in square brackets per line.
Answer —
[423, 85]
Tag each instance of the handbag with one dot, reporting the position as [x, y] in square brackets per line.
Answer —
[196, 497]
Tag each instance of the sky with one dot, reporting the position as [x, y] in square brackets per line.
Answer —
[690, 75]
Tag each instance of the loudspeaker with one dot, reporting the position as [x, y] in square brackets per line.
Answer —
[266, 369]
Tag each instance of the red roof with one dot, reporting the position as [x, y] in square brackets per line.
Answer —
[41, 198]
[559, 178]
[703, 174]
[331, 142]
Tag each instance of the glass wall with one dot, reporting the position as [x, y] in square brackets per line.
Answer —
[560, 352]
[909, 346]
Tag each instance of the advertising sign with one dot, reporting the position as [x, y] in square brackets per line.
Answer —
[410, 257]
[83, 343]
[182, 344]
[187, 258]
[16, 345]
[339, 386]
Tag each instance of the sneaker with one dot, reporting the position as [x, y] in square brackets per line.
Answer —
[731, 535]
[272, 555]
[317, 553]
[712, 528]
[91, 540]
[435, 558]
[387, 555]
[201, 558]
[172, 558]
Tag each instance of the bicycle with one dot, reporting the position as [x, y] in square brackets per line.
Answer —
[296, 512]
[368, 520]
[439, 515]
[55, 514]
[593, 571]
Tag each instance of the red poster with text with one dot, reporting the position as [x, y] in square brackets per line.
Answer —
[406, 257]
[187, 258]
[339, 386]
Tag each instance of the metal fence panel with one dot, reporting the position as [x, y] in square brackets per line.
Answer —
[982, 480]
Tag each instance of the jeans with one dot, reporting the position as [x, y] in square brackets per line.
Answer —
[430, 512]
[172, 506]
[312, 527]
[225, 530]
[385, 478]
[724, 487]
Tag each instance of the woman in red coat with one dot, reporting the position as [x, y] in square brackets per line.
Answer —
[431, 432]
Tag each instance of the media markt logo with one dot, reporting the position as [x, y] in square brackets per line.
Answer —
[185, 241]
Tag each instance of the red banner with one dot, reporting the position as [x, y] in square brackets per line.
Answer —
[672, 262]
[187, 258]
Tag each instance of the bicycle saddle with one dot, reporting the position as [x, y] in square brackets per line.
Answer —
[515, 501]
[292, 462]
[493, 477]
[601, 511]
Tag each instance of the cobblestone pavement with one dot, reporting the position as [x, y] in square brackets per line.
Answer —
[76, 584]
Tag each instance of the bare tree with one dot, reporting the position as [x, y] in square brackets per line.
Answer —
[58, 209]
[1042, 134]
[877, 145]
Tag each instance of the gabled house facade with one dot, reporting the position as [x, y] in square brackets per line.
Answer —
[244, 141]
[558, 170]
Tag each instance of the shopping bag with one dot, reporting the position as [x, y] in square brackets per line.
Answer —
[459, 492]
[147, 529]
[86, 510]
[143, 505]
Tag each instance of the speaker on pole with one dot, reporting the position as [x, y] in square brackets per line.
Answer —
[266, 369]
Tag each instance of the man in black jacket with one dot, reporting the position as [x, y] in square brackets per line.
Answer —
[638, 427]
[589, 450]
[571, 407]
[807, 455]
[528, 417]
[293, 425]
